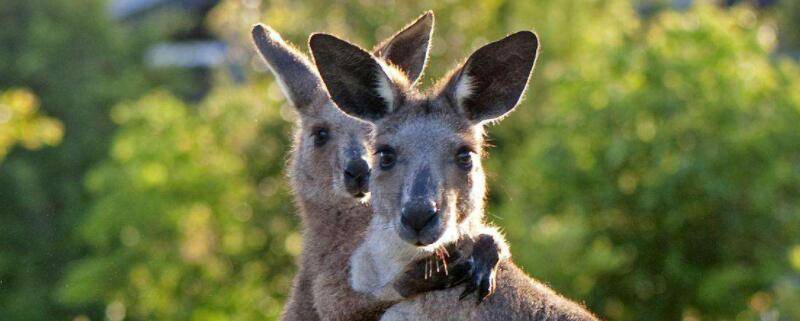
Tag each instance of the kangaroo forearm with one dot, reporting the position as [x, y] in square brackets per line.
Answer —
[518, 298]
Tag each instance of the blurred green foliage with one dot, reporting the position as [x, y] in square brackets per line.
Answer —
[652, 172]
[79, 64]
[21, 122]
[664, 169]
[788, 13]
[191, 217]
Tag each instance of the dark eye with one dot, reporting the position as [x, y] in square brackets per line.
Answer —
[321, 136]
[464, 159]
[386, 157]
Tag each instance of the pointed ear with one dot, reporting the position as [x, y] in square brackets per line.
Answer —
[491, 82]
[408, 48]
[356, 81]
[296, 76]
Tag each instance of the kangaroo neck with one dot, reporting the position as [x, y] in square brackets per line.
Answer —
[342, 217]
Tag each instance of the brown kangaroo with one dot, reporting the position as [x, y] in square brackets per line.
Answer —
[428, 186]
[329, 174]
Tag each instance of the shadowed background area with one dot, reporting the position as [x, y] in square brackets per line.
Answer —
[652, 171]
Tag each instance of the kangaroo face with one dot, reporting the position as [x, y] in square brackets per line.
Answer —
[427, 180]
[428, 175]
[332, 151]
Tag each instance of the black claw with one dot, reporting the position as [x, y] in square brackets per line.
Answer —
[458, 282]
[481, 283]
[467, 291]
[485, 289]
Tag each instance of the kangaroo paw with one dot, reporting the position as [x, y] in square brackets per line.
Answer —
[485, 256]
[435, 273]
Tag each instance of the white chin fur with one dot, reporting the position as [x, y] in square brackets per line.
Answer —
[383, 255]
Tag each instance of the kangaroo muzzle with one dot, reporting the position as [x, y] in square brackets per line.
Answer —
[420, 215]
[420, 223]
[356, 177]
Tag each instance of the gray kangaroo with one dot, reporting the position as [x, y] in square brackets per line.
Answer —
[428, 186]
[329, 174]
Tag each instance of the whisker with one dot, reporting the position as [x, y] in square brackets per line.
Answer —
[442, 254]
[444, 262]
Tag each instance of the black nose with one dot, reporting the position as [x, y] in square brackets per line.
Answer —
[356, 177]
[418, 214]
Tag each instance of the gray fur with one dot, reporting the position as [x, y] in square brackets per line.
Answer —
[428, 131]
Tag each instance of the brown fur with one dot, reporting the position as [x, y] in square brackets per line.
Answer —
[334, 221]
[425, 133]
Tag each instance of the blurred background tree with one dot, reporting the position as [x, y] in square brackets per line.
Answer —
[652, 172]
[665, 167]
[79, 63]
[21, 123]
[191, 219]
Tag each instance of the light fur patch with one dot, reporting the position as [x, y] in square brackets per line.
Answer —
[385, 90]
[395, 74]
[388, 80]
[383, 256]
[379, 260]
[463, 89]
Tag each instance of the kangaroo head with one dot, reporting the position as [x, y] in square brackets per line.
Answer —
[331, 149]
[428, 182]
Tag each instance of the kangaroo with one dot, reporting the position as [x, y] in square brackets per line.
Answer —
[329, 173]
[428, 186]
